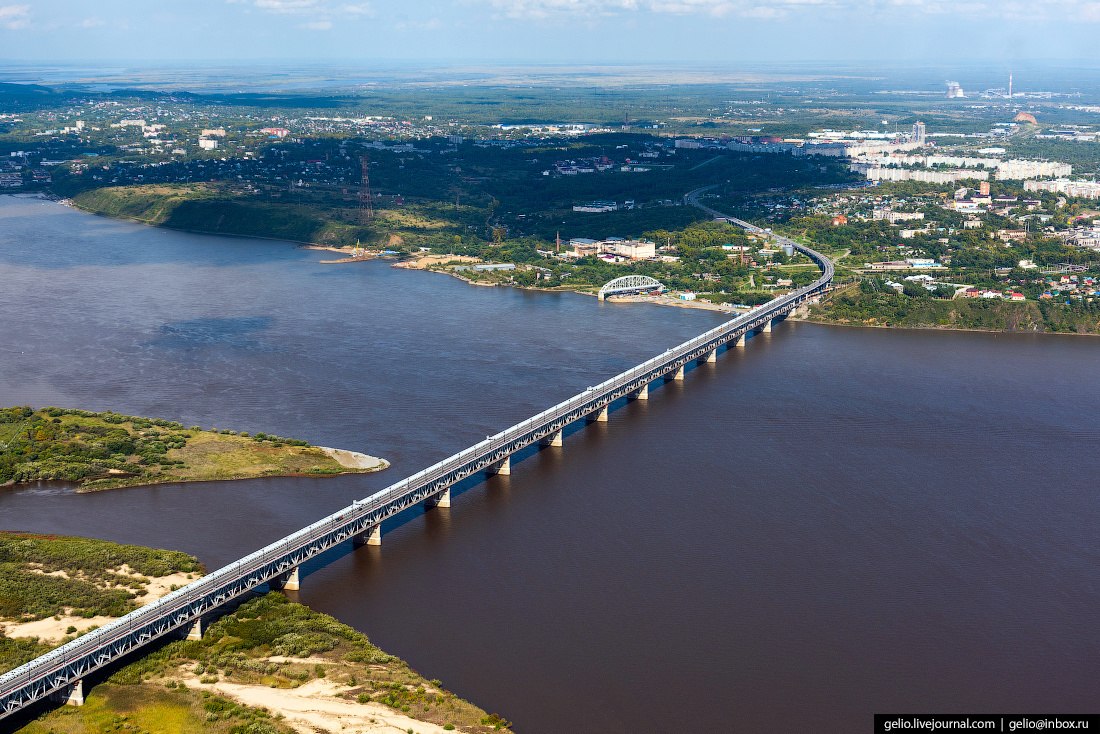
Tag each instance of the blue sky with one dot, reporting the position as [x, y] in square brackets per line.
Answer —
[568, 31]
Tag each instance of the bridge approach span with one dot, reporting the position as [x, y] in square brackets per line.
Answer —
[59, 673]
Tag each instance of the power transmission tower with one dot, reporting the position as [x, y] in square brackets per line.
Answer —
[366, 201]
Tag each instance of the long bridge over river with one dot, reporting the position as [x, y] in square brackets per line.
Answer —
[59, 674]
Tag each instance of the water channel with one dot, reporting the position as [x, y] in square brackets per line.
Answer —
[827, 524]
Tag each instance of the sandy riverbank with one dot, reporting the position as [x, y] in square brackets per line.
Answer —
[351, 256]
[423, 262]
[316, 706]
[677, 303]
[53, 629]
[354, 459]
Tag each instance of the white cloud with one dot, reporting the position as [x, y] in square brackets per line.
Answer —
[15, 17]
[1090, 12]
[317, 15]
[1016, 10]
[92, 23]
[295, 7]
[590, 8]
[357, 9]
[324, 9]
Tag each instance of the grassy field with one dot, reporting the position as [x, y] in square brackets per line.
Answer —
[44, 576]
[268, 644]
[239, 678]
[157, 710]
[106, 450]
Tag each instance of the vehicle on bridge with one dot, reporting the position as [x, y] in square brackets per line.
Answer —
[629, 285]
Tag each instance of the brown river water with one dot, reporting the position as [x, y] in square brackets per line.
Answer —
[827, 524]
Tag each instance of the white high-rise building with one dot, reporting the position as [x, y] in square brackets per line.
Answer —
[955, 91]
[920, 133]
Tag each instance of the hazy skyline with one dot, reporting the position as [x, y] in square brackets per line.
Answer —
[562, 31]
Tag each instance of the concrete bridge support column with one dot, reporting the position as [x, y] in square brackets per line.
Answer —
[740, 341]
[712, 356]
[290, 581]
[197, 630]
[641, 394]
[600, 416]
[554, 439]
[677, 375]
[767, 327]
[503, 467]
[443, 499]
[70, 695]
[371, 537]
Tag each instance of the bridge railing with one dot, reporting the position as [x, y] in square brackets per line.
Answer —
[217, 581]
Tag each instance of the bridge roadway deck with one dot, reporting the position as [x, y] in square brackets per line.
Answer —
[58, 670]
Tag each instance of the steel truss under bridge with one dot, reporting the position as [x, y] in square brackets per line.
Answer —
[61, 671]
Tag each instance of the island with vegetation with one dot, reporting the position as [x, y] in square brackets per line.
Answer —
[272, 666]
[108, 450]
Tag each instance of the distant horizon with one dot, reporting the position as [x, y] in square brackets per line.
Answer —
[551, 31]
[346, 77]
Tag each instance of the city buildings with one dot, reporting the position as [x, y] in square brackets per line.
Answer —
[893, 217]
[597, 207]
[954, 168]
[1082, 189]
[614, 246]
[878, 173]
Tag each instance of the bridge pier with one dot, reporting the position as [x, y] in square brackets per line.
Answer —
[600, 416]
[443, 499]
[641, 393]
[371, 537]
[290, 581]
[740, 342]
[70, 695]
[767, 327]
[501, 467]
[712, 356]
[197, 630]
[677, 375]
[554, 439]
